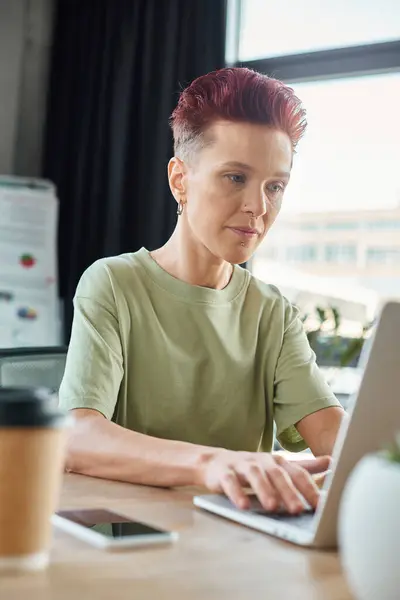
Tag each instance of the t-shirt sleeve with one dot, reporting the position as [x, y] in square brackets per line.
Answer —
[300, 387]
[94, 366]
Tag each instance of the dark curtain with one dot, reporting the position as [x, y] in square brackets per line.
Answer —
[116, 72]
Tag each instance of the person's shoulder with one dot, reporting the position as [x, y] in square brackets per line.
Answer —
[273, 301]
[267, 293]
[107, 277]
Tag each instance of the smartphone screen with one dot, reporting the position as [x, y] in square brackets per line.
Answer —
[109, 523]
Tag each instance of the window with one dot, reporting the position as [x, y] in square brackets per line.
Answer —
[331, 253]
[383, 224]
[338, 150]
[340, 218]
[290, 27]
[344, 226]
[383, 256]
[337, 181]
[340, 254]
[306, 253]
[310, 226]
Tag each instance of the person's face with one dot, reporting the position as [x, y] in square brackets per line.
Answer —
[233, 189]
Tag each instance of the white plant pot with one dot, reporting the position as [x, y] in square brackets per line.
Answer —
[369, 529]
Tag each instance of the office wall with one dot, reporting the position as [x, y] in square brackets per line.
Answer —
[25, 40]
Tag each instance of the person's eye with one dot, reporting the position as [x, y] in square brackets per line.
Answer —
[276, 188]
[237, 178]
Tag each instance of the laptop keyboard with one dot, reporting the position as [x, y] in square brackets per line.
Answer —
[305, 520]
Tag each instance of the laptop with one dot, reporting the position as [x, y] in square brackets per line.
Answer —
[375, 419]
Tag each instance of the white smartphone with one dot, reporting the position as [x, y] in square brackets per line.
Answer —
[109, 530]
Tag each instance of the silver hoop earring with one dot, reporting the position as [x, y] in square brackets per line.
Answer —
[179, 210]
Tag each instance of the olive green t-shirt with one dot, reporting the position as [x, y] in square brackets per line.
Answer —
[181, 362]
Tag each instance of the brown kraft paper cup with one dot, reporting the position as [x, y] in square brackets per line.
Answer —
[32, 441]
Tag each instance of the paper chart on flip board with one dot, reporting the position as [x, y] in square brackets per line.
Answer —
[29, 313]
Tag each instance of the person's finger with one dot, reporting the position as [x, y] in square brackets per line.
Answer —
[260, 485]
[320, 478]
[312, 465]
[231, 487]
[303, 482]
[286, 489]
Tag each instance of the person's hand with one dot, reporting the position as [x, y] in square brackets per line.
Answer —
[320, 478]
[271, 477]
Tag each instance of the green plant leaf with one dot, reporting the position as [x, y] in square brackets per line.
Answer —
[313, 337]
[353, 349]
[322, 314]
[393, 452]
[336, 318]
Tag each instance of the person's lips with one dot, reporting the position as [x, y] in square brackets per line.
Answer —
[247, 232]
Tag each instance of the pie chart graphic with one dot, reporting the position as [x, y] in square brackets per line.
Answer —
[27, 313]
[27, 261]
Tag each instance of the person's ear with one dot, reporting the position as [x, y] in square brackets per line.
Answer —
[177, 179]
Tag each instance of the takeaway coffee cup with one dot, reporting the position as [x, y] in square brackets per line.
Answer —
[32, 436]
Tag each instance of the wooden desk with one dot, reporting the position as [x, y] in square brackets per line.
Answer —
[213, 560]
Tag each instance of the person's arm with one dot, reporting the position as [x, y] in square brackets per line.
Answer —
[94, 367]
[306, 412]
[101, 448]
[319, 430]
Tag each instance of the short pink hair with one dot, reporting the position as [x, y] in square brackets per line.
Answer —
[235, 94]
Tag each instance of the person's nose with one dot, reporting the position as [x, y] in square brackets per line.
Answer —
[256, 204]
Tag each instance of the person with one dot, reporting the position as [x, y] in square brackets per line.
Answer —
[180, 361]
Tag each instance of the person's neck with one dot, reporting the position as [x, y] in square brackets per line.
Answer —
[188, 261]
